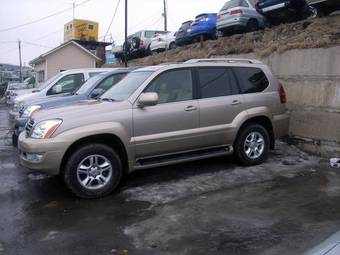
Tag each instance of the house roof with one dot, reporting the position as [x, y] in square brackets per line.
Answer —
[43, 56]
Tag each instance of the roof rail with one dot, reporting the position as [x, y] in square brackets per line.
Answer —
[229, 60]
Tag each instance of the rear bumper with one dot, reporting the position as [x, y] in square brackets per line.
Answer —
[281, 125]
[232, 23]
[183, 40]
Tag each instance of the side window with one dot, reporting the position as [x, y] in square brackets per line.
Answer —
[93, 74]
[67, 84]
[217, 82]
[150, 34]
[173, 86]
[110, 81]
[244, 3]
[251, 80]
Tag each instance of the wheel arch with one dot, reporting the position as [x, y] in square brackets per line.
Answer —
[110, 140]
[263, 121]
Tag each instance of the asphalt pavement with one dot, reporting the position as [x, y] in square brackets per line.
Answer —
[285, 206]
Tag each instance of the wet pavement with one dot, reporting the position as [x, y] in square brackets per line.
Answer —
[285, 206]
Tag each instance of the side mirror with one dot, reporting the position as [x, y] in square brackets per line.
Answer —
[148, 99]
[96, 93]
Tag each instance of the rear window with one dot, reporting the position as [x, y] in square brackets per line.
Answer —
[251, 80]
[234, 3]
[217, 82]
[202, 16]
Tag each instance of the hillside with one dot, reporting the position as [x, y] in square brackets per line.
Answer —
[311, 33]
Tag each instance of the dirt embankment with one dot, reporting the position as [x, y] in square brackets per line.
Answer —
[311, 33]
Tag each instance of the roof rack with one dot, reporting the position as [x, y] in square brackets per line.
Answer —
[229, 60]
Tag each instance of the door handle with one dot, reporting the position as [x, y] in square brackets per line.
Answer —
[235, 102]
[190, 108]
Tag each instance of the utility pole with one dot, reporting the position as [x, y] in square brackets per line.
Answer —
[165, 17]
[74, 7]
[126, 35]
[20, 71]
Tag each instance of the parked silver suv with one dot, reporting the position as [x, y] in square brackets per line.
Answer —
[156, 116]
[239, 15]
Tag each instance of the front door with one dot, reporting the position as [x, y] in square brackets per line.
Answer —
[169, 126]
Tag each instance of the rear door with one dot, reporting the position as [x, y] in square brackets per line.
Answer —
[169, 126]
[220, 102]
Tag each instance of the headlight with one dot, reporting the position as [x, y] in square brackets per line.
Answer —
[17, 106]
[44, 129]
[30, 110]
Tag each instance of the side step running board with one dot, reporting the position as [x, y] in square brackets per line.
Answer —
[182, 157]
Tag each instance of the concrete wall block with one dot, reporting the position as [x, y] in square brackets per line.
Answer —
[316, 125]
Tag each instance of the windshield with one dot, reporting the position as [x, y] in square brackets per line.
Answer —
[124, 89]
[231, 4]
[89, 83]
[49, 81]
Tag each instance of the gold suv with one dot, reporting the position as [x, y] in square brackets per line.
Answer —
[156, 116]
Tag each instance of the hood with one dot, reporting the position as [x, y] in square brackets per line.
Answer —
[22, 98]
[56, 101]
[79, 110]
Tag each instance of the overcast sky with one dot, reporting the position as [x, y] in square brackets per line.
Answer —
[48, 33]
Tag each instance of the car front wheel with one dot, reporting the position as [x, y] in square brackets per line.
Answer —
[93, 171]
[252, 145]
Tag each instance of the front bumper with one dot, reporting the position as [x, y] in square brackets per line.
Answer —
[51, 150]
[13, 115]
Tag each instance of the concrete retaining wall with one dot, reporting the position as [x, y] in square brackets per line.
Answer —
[311, 78]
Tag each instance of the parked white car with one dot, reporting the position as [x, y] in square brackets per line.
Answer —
[63, 83]
[163, 41]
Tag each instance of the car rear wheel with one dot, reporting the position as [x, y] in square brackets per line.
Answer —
[252, 145]
[252, 25]
[172, 46]
[93, 171]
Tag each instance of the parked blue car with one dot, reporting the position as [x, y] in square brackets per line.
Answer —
[91, 89]
[278, 11]
[183, 34]
[204, 25]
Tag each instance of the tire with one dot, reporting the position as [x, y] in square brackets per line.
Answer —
[172, 46]
[14, 140]
[316, 11]
[79, 180]
[242, 146]
[252, 25]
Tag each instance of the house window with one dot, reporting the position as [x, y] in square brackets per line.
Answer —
[70, 26]
[41, 76]
[90, 27]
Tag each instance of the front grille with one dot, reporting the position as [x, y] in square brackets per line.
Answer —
[28, 127]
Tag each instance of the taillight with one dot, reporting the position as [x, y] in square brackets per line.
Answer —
[282, 93]
[236, 12]
[7, 93]
[218, 17]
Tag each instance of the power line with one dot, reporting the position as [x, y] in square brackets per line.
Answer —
[114, 14]
[5, 42]
[36, 44]
[43, 18]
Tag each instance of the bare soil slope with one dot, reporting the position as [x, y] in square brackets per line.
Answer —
[311, 33]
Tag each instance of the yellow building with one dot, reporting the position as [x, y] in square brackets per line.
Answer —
[84, 30]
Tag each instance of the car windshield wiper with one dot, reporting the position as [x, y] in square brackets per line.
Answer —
[108, 99]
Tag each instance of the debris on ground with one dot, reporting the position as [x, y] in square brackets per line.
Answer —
[335, 162]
